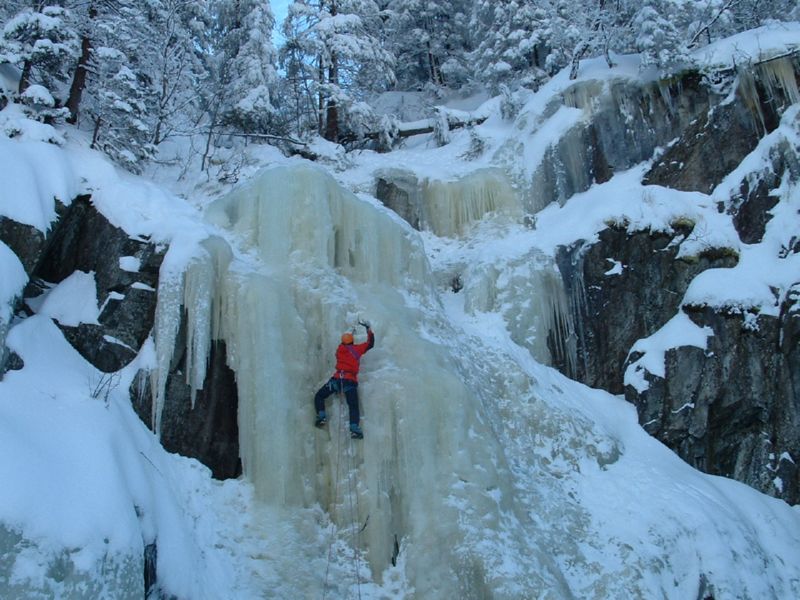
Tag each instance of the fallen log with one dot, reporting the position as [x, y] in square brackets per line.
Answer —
[405, 130]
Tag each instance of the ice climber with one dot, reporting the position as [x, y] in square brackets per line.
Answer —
[345, 380]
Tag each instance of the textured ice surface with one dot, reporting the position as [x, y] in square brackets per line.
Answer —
[491, 474]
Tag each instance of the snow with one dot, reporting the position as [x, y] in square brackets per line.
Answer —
[679, 331]
[73, 301]
[129, 263]
[616, 267]
[758, 281]
[12, 280]
[39, 173]
[14, 124]
[477, 459]
[755, 45]
[39, 94]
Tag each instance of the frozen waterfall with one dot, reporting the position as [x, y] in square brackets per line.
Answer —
[311, 258]
[475, 475]
[449, 207]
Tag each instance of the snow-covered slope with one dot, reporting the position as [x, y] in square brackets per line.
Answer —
[483, 473]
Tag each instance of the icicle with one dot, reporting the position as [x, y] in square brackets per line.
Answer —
[197, 293]
[189, 286]
[584, 95]
[203, 306]
[777, 77]
[449, 207]
[780, 74]
[530, 294]
[167, 324]
[303, 214]
[749, 93]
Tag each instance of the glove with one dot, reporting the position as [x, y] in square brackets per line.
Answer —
[364, 324]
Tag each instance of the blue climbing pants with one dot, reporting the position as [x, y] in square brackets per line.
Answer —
[335, 386]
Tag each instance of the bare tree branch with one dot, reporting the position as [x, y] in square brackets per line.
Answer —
[727, 6]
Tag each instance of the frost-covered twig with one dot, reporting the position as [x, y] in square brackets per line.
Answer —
[727, 6]
[103, 387]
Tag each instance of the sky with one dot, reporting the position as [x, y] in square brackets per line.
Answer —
[279, 8]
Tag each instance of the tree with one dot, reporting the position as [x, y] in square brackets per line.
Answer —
[39, 41]
[336, 47]
[244, 64]
[658, 35]
[430, 40]
[514, 46]
[120, 102]
[174, 62]
[137, 73]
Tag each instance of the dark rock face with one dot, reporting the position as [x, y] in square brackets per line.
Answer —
[400, 193]
[752, 205]
[732, 409]
[13, 362]
[126, 273]
[25, 241]
[702, 165]
[91, 342]
[628, 123]
[83, 239]
[623, 288]
[209, 431]
[715, 144]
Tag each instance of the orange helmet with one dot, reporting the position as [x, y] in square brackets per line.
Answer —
[347, 338]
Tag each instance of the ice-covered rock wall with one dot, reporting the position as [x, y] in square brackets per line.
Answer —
[528, 292]
[311, 259]
[469, 483]
[592, 129]
[448, 208]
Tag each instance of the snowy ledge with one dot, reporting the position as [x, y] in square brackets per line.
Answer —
[678, 331]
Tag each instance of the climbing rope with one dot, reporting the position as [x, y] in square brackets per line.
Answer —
[353, 489]
[352, 499]
[333, 523]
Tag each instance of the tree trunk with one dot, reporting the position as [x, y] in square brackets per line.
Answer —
[403, 131]
[204, 163]
[321, 100]
[331, 109]
[81, 71]
[580, 50]
[433, 65]
[332, 124]
[25, 77]
[79, 80]
[96, 133]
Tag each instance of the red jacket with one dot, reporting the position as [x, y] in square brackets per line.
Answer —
[348, 358]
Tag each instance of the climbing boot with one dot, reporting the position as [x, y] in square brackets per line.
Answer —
[320, 421]
[355, 432]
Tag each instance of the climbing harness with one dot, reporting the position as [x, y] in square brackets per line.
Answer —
[352, 493]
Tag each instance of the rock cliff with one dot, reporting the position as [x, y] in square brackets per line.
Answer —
[731, 409]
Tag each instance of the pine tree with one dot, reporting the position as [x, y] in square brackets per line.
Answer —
[244, 64]
[40, 41]
[658, 36]
[174, 62]
[335, 47]
[514, 47]
[602, 27]
[431, 40]
[120, 100]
